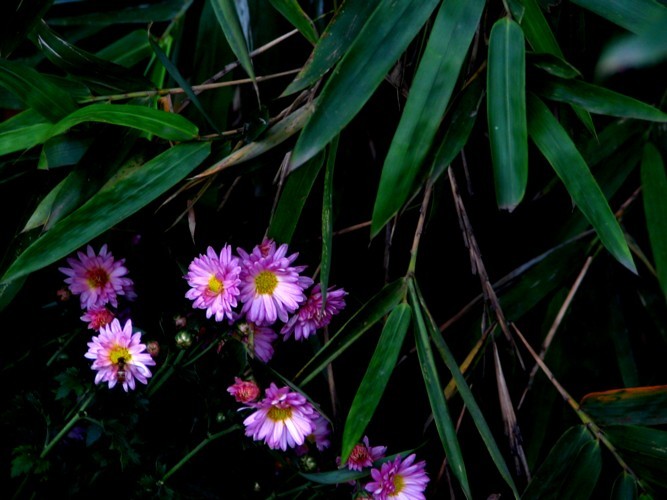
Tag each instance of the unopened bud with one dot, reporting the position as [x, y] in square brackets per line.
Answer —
[184, 339]
[153, 348]
[308, 463]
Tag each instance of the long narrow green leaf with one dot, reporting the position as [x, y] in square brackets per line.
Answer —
[63, 150]
[292, 200]
[293, 12]
[376, 379]
[599, 100]
[654, 188]
[35, 91]
[23, 131]
[437, 74]
[468, 398]
[562, 154]
[141, 13]
[333, 43]
[583, 475]
[128, 50]
[633, 15]
[436, 396]
[229, 21]
[166, 125]
[535, 26]
[625, 487]
[125, 194]
[643, 448]
[506, 112]
[327, 219]
[637, 405]
[41, 214]
[382, 40]
[370, 313]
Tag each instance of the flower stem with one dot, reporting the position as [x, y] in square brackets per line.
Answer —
[197, 449]
[78, 415]
[163, 374]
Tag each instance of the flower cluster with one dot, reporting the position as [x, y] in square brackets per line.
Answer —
[257, 289]
[283, 419]
[117, 352]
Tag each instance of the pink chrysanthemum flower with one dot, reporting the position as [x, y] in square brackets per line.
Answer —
[214, 280]
[399, 479]
[363, 455]
[97, 317]
[283, 419]
[320, 435]
[99, 279]
[119, 356]
[258, 339]
[312, 316]
[271, 288]
[244, 391]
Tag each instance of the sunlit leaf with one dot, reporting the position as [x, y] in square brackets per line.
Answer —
[376, 378]
[122, 196]
[297, 17]
[637, 405]
[654, 186]
[562, 154]
[506, 112]
[432, 87]
[382, 40]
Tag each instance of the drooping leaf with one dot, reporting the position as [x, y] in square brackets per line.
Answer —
[292, 200]
[633, 15]
[376, 378]
[654, 188]
[35, 91]
[436, 396]
[384, 37]
[625, 487]
[643, 448]
[41, 213]
[437, 74]
[334, 42]
[637, 405]
[122, 196]
[553, 65]
[140, 13]
[23, 131]
[562, 154]
[599, 100]
[506, 112]
[368, 315]
[579, 483]
[535, 26]
[297, 18]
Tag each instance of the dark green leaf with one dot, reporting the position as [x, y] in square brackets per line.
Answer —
[141, 13]
[437, 74]
[637, 405]
[340, 476]
[506, 111]
[128, 50]
[582, 477]
[654, 187]
[35, 91]
[18, 18]
[228, 18]
[553, 65]
[23, 131]
[297, 18]
[625, 487]
[376, 379]
[333, 43]
[292, 200]
[382, 40]
[122, 196]
[633, 15]
[535, 26]
[562, 154]
[63, 150]
[643, 448]
[327, 219]
[369, 314]
[599, 100]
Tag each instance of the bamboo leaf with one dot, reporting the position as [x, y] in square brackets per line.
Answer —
[229, 21]
[128, 50]
[327, 219]
[18, 20]
[123, 195]
[370, 313]
[35, 91]
[334, 42]
[599, 100]
[436, 396]
[583, 475]
[553, 65]
[293, 12]
[292, 200]
[340, 476]
[381, 41]
[625, 487]
[23, 131]
[535, 26]
[140, 13]
[654, 188]
[637, 405]
[437, 74]
[376, 379]
[506, 111]
[562, 154]
[63, 150]
[633, 15]
[643, 448]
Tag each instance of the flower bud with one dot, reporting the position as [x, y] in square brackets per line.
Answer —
[153, 348]
[308, 463]
[184, 339]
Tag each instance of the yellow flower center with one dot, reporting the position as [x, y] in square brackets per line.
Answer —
[215, 285]
[266, 282]
[278, 414]
[119, 354]
[399, 483]
[97, 277]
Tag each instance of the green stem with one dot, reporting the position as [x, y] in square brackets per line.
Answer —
[78, 415]
[197, 449]
[201, 353]
[419, 229]
[163, 374]
[62, 348]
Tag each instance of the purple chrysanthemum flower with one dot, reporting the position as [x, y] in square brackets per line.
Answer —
[97, 317]
[214, 280]
[282, 419]
[363, 455]
[320, 435]
[119, 356]
[258, 340]
[271, 288]
[99, 279]
[311, 316]
[399, 479]
[244, 391]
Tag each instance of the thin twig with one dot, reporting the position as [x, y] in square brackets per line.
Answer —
[349, 229]
[419, 229]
